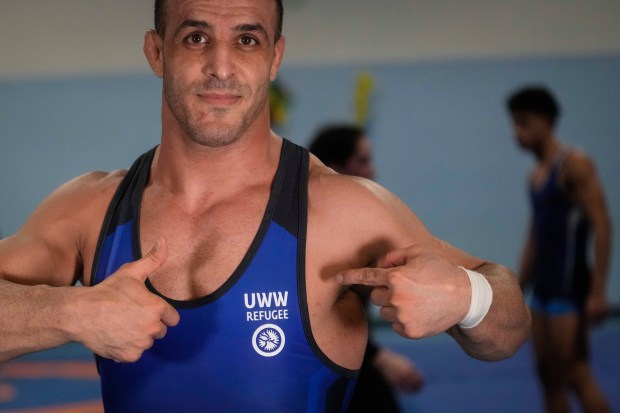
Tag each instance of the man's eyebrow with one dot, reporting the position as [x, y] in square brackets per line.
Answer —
[245, 27]
[192, 23]
[252, 27]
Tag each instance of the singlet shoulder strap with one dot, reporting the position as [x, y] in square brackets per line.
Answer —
[121, 208]
[293, 192]
[559, 162]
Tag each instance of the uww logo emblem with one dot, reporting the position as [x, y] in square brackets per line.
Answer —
[268, 340]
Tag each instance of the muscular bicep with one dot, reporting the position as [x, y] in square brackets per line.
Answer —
[30, 260]
[50, 247]
[391, 220]
[44, 250]
[416, 233]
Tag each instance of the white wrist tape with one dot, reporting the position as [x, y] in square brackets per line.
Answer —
[481, 298]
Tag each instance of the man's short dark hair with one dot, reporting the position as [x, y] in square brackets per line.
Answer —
[336, 144]
[535, 99]
[160, 18]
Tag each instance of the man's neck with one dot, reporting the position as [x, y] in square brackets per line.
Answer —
[191, 170]
[546, 152]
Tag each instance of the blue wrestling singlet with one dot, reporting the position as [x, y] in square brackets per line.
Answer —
[560, 271]
[247, 347]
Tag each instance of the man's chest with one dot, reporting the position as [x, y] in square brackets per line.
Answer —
[204, 249]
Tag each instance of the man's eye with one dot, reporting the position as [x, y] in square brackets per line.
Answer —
[248, 41]
[195, 38]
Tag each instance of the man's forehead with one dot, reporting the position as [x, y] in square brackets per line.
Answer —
[255, 11]
[523, 116]
[521, 113]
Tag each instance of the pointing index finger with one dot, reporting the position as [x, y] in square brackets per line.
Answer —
[399, 257]
[373, 277]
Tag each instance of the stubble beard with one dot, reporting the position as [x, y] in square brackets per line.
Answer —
[216, 133]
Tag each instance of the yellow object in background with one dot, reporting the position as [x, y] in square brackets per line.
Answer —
[279, 103]
[362, 100]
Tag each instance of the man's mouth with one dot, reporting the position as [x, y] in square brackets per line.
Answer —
[219, 98]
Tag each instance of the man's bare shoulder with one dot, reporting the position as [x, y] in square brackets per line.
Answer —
[88, 189]
[334, 189]
[95, 181]
[53, 244]
[577, 161]
[577, 168]
[75, 206]
[360, 206]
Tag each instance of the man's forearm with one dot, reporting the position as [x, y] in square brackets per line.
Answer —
[31, 318]
[507, 324]
[527, 260]
[602, 249]
[525, 269]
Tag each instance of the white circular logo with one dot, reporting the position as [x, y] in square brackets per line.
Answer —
[268, 340]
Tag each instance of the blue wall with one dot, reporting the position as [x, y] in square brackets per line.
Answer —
[442, 138]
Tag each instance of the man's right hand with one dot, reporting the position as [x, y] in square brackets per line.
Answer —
[120, 317]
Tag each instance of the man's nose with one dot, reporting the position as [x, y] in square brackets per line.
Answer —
[220, 62]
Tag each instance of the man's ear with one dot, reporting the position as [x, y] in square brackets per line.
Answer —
[277, 59]
[154, 52]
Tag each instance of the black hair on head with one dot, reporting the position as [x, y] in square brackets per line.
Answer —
[335, 144]
[280, 19]
[535, 99]
[160, 17]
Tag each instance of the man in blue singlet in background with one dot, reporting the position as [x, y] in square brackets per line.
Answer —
[568, 294]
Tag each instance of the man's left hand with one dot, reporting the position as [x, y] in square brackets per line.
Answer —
[420, 293]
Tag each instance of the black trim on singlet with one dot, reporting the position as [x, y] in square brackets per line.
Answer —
[126, 184]
[287, 212]
[272, 205]
[553, 176]
[301, 270]
[136, 179]
[290, 212]
[333, 398]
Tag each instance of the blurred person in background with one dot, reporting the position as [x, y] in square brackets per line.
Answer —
[569, 205]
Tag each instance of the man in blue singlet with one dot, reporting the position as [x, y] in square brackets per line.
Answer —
[568, 204]
[218, 269]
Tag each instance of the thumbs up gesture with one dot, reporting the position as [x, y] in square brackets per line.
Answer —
[120, 318]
